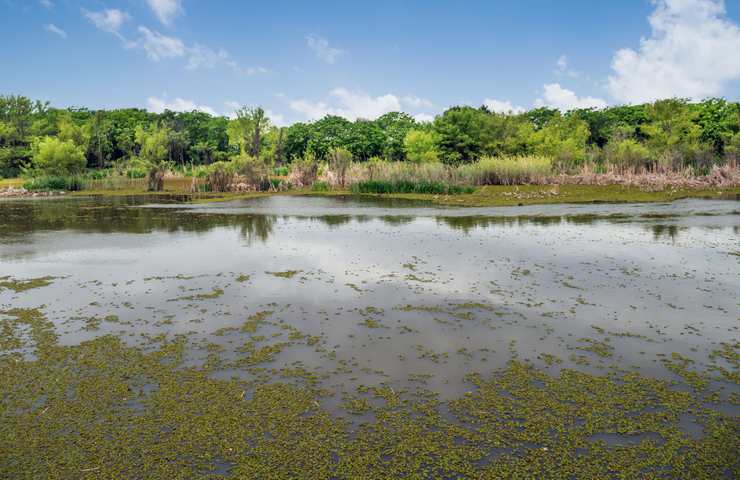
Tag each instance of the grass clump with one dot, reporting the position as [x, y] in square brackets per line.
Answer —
[507, 170]
[408, 186]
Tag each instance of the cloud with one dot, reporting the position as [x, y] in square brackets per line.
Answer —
[159, 105]
[166, 10]
[424, 117]
[563, 99]
[323, 50]
[348, 104]
[561, 68]
[47, 4]
[275, 118]
[56, 30]
[502, 106]
[108, 20]
[417, 102]
[158, 46]
[692, 52]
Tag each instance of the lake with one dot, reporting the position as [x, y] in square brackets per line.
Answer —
[351, 298]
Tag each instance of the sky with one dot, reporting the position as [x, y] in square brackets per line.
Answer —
[302, 60]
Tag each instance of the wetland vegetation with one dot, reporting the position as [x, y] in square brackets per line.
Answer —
[660, 147]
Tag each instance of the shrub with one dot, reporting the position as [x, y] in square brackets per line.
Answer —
[56, 158]
[627, 154]
[281, 171]
[320, 187]
[304, 172]
[71, 183]
[339, 161]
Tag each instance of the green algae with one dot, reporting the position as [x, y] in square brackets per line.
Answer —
[104, 409]
[284, 274]
[23, 285]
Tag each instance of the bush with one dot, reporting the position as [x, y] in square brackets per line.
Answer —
[281, 171]
[71, 183]
[320, 187]
[507, 170]
[405, 186]
[135, 173]
[627, 154]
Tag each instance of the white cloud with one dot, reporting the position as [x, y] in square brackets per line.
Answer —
[275, 118]
[166, 10]
[563, 99]
[46, 4]
[502, 106]
[108, 20]
[692, 52]
[158, 46]
[159, 105]
[56, 30]
[323, 50]
[348, 104]
[417, 102]
[562, 67]
[424, 117]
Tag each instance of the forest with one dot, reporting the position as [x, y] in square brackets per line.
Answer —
[53, 148]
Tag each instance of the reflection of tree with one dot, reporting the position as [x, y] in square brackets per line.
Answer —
[256, 227]
[665, 231]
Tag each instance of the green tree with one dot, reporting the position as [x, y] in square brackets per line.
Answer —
[248, 130]
[56, 157]
[154, 153]
[421, 146]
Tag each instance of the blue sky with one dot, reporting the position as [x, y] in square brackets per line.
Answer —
[301, 60]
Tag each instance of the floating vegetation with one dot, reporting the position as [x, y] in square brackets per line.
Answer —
[102, 409]
[243, 278]
[284, 274]
[23, 285]
[215, 293]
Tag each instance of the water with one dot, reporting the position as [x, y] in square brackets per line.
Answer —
[396, 291]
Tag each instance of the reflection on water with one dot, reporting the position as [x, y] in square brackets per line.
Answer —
[397, 290]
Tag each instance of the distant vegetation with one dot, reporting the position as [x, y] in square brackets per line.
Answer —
[76, 148]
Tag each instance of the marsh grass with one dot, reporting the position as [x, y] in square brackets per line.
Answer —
[525, 169]
[407, 186]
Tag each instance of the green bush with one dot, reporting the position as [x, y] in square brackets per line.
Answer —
[320, 187]
[56, 158]
[281, 171]
[627, 154]
[45, 183]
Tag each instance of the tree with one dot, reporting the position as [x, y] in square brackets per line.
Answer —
[672, 135]
[56, 157]
[460, 133]
[395, 126]
[339, 161]
[154, 153]
[100, 143]
[420, 146]
[248, 130]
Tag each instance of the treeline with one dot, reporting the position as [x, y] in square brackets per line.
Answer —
[672, 133]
